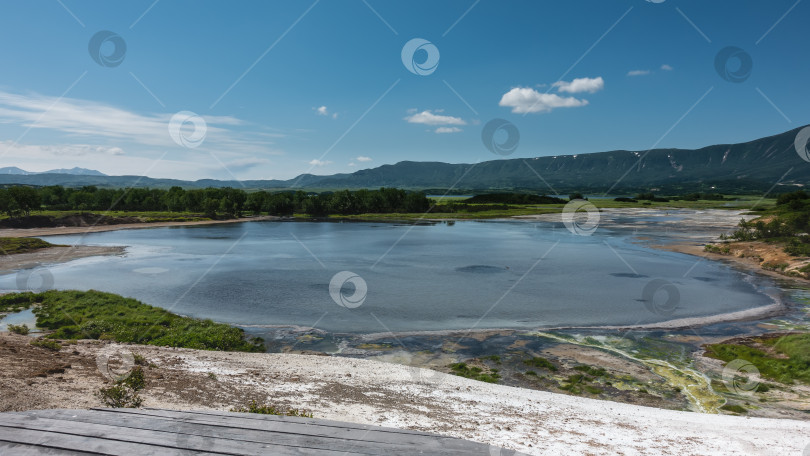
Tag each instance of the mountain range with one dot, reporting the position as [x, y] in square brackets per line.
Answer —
[13, 170]
[757, 165]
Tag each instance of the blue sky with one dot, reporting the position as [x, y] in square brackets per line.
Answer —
[287, 87]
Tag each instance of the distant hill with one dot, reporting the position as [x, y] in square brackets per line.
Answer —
[72, 171]
[756, 165]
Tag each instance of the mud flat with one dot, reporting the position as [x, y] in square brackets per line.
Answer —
[52, 255]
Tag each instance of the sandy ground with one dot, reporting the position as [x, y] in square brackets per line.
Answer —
[36, 232]
[371, 392]
[51, 255]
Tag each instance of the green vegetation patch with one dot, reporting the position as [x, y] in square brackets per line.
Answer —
[97, 315]
[11, 245]
[734, 408]
[789, 363]
[124, 393]
[22, 329]
[540, 362]
[475, 372]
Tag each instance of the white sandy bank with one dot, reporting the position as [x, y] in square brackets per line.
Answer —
[533, 422]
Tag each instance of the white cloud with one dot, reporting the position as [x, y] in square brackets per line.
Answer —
[526, 100]
[105, 123]
[638, 73]
[335, 115]
[578, 85]
[316, 162]
[666, 67]
[363, 159]
[322, 111]
[428, 118]
[448, 130]
[352, 164]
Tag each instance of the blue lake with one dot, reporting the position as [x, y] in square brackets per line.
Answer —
[493, 274]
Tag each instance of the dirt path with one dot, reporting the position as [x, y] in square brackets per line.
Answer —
[371, 392]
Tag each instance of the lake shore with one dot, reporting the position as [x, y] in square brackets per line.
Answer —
[65, 230]
[372, 392]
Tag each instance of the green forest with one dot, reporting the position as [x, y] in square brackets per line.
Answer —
[213, 202]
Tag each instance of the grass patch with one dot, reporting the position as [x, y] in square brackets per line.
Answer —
[734, 409]
[97, 315]
[796, 365]
[10, 245]
[540, 362]
[592, 371]
[47, 344]
[265, 409]
[475, 373]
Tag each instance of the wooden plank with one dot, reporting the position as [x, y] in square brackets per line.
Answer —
[54, 441]
[156, 431]
[308, 427]
[21, 449]
[158, 441]
[205, 432]
[294, 419]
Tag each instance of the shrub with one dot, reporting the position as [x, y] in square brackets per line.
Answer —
[19, 329]
[124, 393]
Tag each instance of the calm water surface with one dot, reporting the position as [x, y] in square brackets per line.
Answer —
[433, 277]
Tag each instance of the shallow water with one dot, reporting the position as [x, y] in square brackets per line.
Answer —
[493, 274]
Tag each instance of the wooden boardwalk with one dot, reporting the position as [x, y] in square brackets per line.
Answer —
[144, 432]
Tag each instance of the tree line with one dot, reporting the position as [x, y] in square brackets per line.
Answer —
[21, 200]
